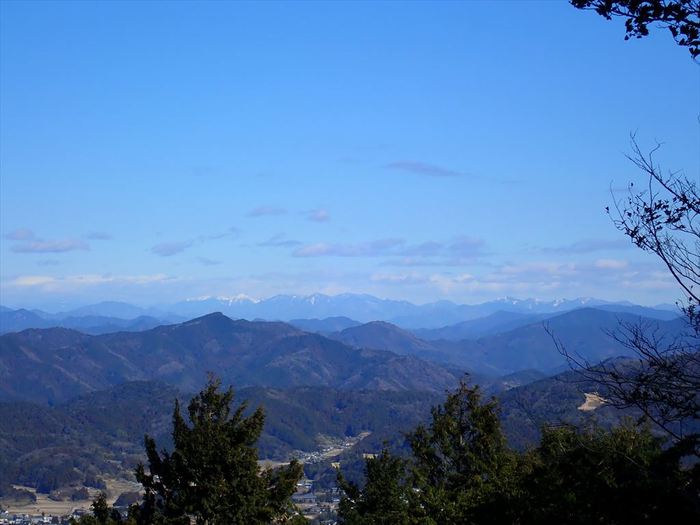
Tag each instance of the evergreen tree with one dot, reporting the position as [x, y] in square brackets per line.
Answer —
[461, 463]
[385, 497]
[460, 471]
[102, 514]
[212, 474]
[100, 509]
[618, 477]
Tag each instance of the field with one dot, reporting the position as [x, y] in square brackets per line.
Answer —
[48, 506]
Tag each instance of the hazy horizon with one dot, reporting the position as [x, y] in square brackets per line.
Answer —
[60, 306]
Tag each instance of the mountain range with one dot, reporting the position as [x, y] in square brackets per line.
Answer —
[91, 397]
[358, 307]
[585, 332]
[18, 320]
[55, 364]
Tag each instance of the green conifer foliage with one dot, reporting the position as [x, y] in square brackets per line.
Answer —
[212, 474]
[622, 476]
[462, 466]
[385, 498]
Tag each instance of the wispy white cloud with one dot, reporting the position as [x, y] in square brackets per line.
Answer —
[60, 246]
[400, 279]
[422, 168]
[31, 280]
[48, 262]
[230, 232]
[279, 240]
[72, 281]
[545, 278]
[21, 234]
[375, 248]
[26, 241]
[99, 236]
[465, 246]
[207, 262]
[168, 249]
[590, 246]
[424, 253]
[319, 215]
[262, 211]
[611, 264]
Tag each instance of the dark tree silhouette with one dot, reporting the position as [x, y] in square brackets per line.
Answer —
[460, 470]
[212, 475]
[622, 476]
[680, 17]
[385, 497]
[461, 459]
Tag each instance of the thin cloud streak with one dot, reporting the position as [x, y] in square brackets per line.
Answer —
[168, 249]
[423, 168]
[84, 280]
[207, 262]
[230, 232]
[319, 215]
[263, 211]
[279, 241]
[21, 234]
[99, 236]
[366, 249]
[459, 248]
[28, 242]
[590, 246]
[61, 246]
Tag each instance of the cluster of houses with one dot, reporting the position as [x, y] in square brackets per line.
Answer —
[319, 506]
[7, 518]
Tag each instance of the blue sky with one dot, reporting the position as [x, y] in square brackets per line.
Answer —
[152, 152]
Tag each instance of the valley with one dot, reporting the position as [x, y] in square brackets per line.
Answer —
[76, 406]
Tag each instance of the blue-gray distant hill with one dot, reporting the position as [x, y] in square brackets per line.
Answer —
[585, 332]
[504, 321]
[495, 323]
[324, 326]
[52, 365]
[18, 320]
[362, 308]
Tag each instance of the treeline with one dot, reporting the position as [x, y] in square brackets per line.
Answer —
[460, 470]
[101, 433]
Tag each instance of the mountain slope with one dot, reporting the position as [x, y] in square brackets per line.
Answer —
[497, 322]
[56, 364]
[18, 320]
[324, 326]
[584, 332]
[380, 335]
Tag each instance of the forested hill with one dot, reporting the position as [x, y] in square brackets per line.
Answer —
[101, 433]
[53, 365]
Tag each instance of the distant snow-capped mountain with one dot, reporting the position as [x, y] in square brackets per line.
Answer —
[362, 308]
[365, 308]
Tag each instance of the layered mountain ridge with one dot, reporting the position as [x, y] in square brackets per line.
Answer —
[52, 365]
